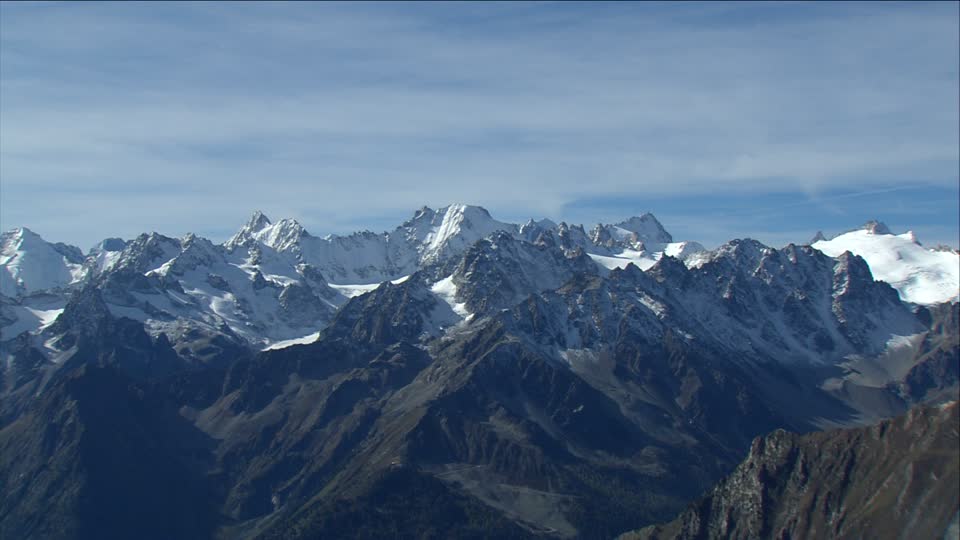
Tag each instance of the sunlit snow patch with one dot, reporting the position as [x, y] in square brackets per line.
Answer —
[446, 289]
[647, 258]
[296, 341]
[351, 290]
[640, 259]
[29, 320]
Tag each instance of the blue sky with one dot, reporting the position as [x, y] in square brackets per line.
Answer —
[767, 120]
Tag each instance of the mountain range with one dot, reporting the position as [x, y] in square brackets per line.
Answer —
[455, 377]
[272, 282]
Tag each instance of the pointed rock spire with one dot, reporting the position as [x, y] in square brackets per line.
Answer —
[258, 221]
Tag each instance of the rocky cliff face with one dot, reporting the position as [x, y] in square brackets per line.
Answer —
[896, 479]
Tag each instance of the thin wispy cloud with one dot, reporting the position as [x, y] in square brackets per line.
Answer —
[118, 118]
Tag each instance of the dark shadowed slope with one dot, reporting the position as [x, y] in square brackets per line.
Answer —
[896, 479]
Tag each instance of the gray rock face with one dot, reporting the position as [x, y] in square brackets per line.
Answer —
[500, 272]
[893, 480]
[300, 306]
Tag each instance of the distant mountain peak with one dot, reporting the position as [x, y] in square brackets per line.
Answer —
[110, 244]
[543, 223]
[464, 213]
[466, 208]
[258, 221]
[21, 235]
[453, 209]
[876, 227]
[647, 228]
[920, 275]
[283, 234]
[461, 225]
[424, 211]
[29, 263]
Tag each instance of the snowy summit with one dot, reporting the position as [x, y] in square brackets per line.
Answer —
[921, 275]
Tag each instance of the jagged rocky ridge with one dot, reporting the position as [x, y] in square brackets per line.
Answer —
[896, 479]
[512, 389]
[270, 282]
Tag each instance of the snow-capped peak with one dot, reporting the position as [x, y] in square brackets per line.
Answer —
[282, 235]
[257, 223]
[432, 236]
[450, 230]
[470, 223]
[920, 275]
[20, 238]
[28, 263]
